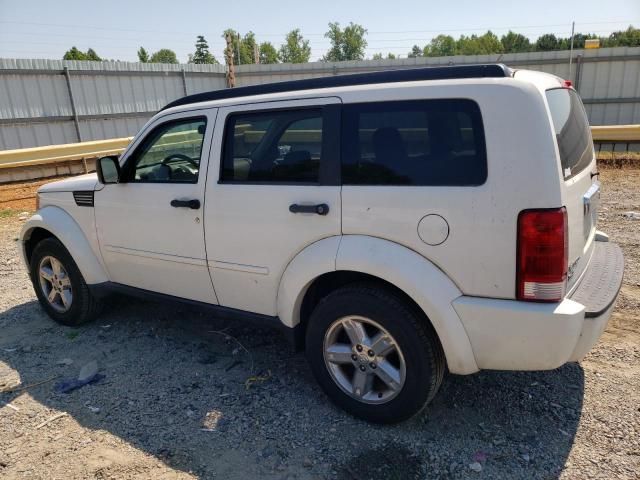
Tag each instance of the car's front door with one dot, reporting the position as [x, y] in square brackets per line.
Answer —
[149, 225]
[273, 189]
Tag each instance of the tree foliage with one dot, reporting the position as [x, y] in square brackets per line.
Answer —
[346, 44]
[74, 54]
[143, 55]
[379, 56]
[441, 46]
[415, 52]
[268, 53]
[202, 54]
[164, 55]
[295, 48]
[243, 47]
[514, 42]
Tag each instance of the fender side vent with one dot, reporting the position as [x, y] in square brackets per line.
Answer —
[83, 198]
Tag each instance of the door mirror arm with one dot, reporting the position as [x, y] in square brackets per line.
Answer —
[108, 169]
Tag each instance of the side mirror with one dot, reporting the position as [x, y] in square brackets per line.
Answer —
[108, 169]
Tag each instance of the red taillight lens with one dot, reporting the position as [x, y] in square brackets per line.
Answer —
[542, 255]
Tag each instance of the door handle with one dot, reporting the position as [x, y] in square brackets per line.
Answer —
[192, 204]
[320, 209]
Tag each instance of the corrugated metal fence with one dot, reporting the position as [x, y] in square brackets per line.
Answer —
[45, 102]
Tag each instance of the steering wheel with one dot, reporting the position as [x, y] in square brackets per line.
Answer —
[179, 156]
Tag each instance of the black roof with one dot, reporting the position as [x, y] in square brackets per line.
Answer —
[387, 76]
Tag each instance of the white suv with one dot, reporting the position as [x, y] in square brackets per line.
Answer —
[395, 224]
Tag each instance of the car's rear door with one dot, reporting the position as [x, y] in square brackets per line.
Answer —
[272, 190]
[580, 189]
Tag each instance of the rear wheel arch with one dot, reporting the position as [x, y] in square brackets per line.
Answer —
[336, 261]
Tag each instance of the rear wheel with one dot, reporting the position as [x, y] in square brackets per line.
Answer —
[59, 285]
[373, 354]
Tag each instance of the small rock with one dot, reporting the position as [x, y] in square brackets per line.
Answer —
[526, 457]
[27, 349]
[88, 371]
[307, 462]
[64, 361]
[476, 466]
[4, 459]
[93, 409]
[632, 215]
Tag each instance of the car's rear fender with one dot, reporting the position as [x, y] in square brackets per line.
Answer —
[416, 276]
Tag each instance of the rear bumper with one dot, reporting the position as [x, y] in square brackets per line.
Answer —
[513, 335]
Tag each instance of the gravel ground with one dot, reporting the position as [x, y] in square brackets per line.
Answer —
[175, 402]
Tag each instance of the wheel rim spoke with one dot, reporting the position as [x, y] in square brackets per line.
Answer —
[339, 353]
[389, 374]
[66, 281]
[362, 383]
[56, 266]
[46, 273]
[65, 296]
[52, 296]
[355, 331]
[382, 345]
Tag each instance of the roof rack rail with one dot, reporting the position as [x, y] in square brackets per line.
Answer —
[496, 70]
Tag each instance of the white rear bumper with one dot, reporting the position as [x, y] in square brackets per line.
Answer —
[513, 335]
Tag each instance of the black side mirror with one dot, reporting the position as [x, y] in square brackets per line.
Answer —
[108, 169]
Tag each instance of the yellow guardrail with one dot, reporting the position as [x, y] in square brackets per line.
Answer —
[52, 154]
[616, 133]
[26, 157]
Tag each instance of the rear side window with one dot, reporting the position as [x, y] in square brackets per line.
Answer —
[424, 142]
[572, 130]
[283, 146]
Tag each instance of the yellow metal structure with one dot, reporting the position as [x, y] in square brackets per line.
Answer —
[616, 133]
[27, 157]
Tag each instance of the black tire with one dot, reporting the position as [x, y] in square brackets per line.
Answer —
[84, 306]
[421, 349]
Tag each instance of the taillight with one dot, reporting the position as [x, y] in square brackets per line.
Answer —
[543, 255]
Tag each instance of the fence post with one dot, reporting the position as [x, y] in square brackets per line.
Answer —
[184, 82]
[576, 80]
[76, 122]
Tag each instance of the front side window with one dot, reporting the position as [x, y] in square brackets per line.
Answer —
[283, 146]
[170, 154]
[421, 142]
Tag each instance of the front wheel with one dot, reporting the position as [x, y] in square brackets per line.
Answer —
[373, 354]
[59, 285]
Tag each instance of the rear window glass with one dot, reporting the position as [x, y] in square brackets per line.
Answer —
[425, 142]
[572, 130]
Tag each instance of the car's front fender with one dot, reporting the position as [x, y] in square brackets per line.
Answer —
[66, 229]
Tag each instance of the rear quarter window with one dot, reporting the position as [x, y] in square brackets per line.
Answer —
[417, 142]
[572, 132]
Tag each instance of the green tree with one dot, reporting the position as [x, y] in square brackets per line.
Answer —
[243, 48]
[93, 56]
[74, 54]
[347, 44]
[143, 55]
[295, 48]
[164, 55]
[468, 45]
[515, 43]
[379, 56]
[547, 43]
[415, 52]
[579, 39]
[268, 53]
[490, 43]
[202, 54]
[624, 38]
[441, 46]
